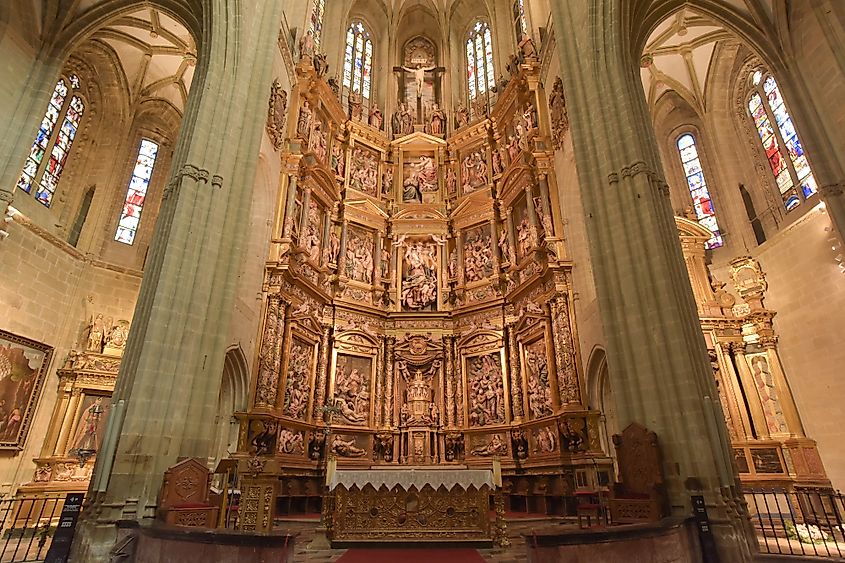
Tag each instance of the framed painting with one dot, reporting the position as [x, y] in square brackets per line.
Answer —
[23, 367]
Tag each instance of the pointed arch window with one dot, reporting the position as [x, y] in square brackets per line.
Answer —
[358, 60]
[479, 58]
[133, 205]
[315, 26]
[520, 21]
[783, 148]
[701, 202]
[65, 109]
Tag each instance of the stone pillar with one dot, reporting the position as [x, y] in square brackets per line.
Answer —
[659, 367]
[167, 391]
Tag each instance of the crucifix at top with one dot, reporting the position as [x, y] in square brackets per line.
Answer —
[419, 76]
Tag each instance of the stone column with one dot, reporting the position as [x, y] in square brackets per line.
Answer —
[322, 375]
[167, 390]
[659, 367]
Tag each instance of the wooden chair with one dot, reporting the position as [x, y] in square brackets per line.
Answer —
[640, 494]
[184, 499]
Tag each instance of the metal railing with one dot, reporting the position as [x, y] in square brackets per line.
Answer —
[806, 522]
[28, 525]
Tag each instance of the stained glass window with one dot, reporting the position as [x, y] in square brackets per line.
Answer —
[65, 107]
[520, 22]
[358, 60]
[137, 192]
[701, 202]
[315, 26]
[777, 132]
[479, 56]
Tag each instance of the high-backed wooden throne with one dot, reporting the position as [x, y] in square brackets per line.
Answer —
[640, 495]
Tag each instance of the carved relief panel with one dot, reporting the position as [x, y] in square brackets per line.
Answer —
[485, 389]
[300, 374]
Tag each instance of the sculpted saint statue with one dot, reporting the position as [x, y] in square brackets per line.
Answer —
[375, 116]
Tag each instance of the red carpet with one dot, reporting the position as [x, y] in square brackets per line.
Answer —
[432, 555]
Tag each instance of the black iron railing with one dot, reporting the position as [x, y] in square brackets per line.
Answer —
[28, 524]
[806, 522]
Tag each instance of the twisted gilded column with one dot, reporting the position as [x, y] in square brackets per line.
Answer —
[270, 352]
[448, 348]
[322, 375]
[514, 373]
[390, 376]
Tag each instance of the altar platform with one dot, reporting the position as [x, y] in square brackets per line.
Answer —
[412, 505]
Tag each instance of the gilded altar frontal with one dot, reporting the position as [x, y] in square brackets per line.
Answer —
[478, 274]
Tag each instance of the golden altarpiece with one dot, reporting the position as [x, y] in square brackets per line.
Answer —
[769, 444]
[418, 304]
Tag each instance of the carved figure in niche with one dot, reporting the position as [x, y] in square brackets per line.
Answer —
[437, 120]
[355, 107]
[519, 443]
[263, 440]
[526, 236]
[496, 446]
[498, 167]
[404, 414]
[89, 431]
[303, 124]
[316, 444]
[419, 76]
[385, 263]
[539, 391]
[451, 181]
[317, 142]
[419, 283]
[359, 257]
[352, 390]
[376, 118]
[527, 48]
[334, 247]
[421, 179]
[338, 160]
[485, 390]
[545, 218]
[478, 255]
[96, 334]
[559, 117]
[546, 440]
[396, 119]
[513, 148]
[505, 246]
[290, 442]
[298, 389]
[454, 446]
[346, 448]
[321, 64]
[473, 171]
[453, 264]
[311, 241]
[383, 446]
[461, 116]
[387, 181]
[479, 107]
[765, 382]
[570, 438]
[276, 114]
[306, 47]
[723, 400]
[116, 340]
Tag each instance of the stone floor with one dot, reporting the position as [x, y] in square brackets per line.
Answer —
[516, 553]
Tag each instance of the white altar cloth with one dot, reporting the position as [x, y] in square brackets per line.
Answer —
[408, 477]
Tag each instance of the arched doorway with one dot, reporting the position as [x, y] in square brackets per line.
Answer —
[232, 398]
[600, 397]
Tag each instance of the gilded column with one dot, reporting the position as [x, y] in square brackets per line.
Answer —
[270, 354]
[449, 410]
[289, 207]
[515, 375]
[752, 395]
[509, 225]
[569, 388]
[67, 423]
[303, 215]
[459, 385]
[322, 372]
[381, 373]
[784, 393]
[731, 389]
[341, 259]
[389, 375]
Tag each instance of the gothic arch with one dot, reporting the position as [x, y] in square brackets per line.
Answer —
[232, 398]
[600, 397]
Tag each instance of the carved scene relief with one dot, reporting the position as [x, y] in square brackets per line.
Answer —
[419, 274]
[419, 179]
[474, 171]
[363, 171]
[298, 387]
[352, 389]
[764, 380]
[478, 254]
[537, 371]
[359, 255]
[485, 390]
